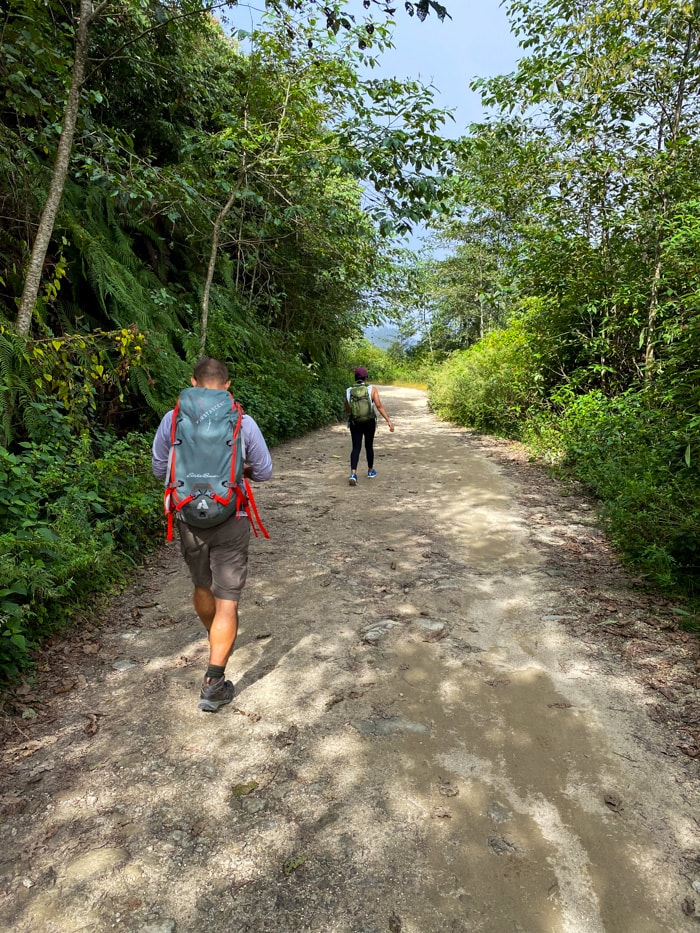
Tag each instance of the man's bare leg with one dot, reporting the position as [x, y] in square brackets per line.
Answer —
[204, 605]
[220, 618]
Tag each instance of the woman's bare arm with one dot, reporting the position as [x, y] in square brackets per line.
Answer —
[380, 408]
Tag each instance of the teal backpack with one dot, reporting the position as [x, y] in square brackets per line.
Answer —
[205, 483]
[360, 401]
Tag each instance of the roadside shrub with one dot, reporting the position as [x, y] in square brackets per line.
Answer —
[491, 386]
[390, 366]
[636, 458]
[380, 365]
[74, 513]
[413, 371]
[290, 399]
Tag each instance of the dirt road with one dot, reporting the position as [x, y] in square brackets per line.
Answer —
[454, 714]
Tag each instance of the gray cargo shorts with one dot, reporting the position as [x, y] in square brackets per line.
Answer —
[217, 557]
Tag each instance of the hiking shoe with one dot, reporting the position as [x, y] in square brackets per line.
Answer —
[353, 479]
[371, 474]
[215, 694]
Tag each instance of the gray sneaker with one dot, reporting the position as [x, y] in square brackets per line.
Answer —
[215, 694]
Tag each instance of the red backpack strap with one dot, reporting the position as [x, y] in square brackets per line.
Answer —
[247, 501]
[235, 406]
[173, 423]
[169, 536]
[251, 511]
[169, 505]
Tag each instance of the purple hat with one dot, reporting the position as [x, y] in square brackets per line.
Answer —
[360, 373]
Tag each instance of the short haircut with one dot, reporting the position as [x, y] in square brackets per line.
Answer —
[210, 370]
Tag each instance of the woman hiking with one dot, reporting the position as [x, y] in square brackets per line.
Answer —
[362, 403]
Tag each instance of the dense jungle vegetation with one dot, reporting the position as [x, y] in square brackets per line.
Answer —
[172, 185]
[566, 309]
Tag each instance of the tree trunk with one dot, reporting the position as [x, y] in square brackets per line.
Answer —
[674, 130]
[32, 282]
[204, 322]
[221, 216]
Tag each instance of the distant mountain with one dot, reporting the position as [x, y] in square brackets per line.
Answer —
[382, 336]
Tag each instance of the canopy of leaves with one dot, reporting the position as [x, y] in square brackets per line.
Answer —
[180, 135]
[575, 220]
[236, 204]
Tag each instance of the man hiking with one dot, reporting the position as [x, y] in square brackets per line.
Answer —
[362, 403]
[216, 553]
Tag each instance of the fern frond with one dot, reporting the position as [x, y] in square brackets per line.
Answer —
[16, 378]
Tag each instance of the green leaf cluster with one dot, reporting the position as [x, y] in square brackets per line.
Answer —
[493, 385]
[574, 233]
[61, 541]
[636, 458]
[215, 201]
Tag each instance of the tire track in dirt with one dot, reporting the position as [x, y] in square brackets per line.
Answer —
[432, 730]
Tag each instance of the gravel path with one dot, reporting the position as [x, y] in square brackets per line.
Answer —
[455, 713]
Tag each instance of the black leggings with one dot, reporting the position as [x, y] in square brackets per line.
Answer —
[359, 431]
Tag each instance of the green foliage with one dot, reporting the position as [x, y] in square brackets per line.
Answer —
[74, 513]
[209, 194]
[85, 374]
[381, 367]
[492, 386]
[501, 171]
[635, 457]
[288, 398]
[390, 366]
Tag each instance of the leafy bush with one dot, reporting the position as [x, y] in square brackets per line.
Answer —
[287, 399]
[635, 456]
[385, 366]
[73, 514]
[381, 367]
[491, 386]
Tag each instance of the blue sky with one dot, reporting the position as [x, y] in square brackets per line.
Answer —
[476, 42]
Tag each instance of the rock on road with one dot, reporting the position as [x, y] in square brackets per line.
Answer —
[433, 732]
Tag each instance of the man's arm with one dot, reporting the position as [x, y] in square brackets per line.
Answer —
[161, 447]
[258, 462]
